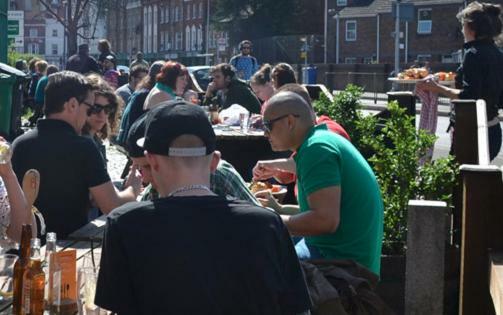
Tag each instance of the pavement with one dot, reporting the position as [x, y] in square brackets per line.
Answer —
[378, 101]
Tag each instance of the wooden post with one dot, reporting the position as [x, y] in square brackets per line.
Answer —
[496, 280]
[424, 274]
[481, 229]
[405, 99]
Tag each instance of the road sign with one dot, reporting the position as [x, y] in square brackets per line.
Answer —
[12, 28]
[407, 12]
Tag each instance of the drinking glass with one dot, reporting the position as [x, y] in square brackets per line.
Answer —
[7, 262]
[244, 119]
[5, 152]
[87, 280]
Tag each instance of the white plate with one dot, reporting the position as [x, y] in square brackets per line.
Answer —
[414, 81]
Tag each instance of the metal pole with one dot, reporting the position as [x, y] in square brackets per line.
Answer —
[325, 14]
[207, 31]
[3, 26]
[397, 38]
[378, 39]
[337, 39]
[406, 53]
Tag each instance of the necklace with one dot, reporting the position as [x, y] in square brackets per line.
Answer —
[189, 188]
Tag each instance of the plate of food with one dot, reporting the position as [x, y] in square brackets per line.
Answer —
[277, 191]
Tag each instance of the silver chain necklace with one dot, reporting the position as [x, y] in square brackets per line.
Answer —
[189, 188]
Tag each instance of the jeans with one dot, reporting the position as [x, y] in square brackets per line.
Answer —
[305, 251]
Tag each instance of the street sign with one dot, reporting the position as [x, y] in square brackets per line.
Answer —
[407, 12]
[12, 28]
[222, 41]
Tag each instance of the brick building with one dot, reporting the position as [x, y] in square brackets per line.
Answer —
[173, 29]
[366, 33]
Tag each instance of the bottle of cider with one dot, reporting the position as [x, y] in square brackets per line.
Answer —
[20, 268]
[34, 282]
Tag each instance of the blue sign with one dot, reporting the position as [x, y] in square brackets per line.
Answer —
[407, 12]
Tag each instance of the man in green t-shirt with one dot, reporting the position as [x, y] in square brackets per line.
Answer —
[340, 212]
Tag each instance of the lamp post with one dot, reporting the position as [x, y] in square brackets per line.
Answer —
[325, 32]
[337, 38]
[65, 4]
[3, 25]
[397, 38]
[207, 41]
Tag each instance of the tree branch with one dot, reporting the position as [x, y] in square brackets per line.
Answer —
[78, 14]
[54, 14]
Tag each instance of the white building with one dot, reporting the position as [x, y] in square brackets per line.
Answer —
[54, 42]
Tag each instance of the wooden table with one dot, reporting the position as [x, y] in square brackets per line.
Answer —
[243, 150]
[85, 239]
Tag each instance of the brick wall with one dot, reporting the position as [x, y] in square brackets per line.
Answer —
[445, 37]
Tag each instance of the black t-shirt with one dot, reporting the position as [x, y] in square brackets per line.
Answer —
[199, 255]
[68, 164]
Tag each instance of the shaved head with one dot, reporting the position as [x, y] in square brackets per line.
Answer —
[290, 103]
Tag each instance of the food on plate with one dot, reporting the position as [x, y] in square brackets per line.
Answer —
[445, 76]
[261, 186]
[413, 74]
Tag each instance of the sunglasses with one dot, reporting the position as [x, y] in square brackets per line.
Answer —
[97, 108]
[268, 124]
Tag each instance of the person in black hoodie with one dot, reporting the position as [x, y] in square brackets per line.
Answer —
[480, 76]
[82, 62]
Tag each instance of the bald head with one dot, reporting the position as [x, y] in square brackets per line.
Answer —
[287, 102]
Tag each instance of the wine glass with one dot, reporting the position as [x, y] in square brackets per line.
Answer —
[7, 262]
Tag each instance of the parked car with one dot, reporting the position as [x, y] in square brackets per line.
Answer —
[201, 74]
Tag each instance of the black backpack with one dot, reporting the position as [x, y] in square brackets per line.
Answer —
[342, 287]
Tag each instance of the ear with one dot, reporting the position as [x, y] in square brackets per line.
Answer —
[71, 105]
[214, 161]
[153, 161]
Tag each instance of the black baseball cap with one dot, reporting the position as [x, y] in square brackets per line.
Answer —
[136, 131]
[167, 122]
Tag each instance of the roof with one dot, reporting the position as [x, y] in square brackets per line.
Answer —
[384, 6]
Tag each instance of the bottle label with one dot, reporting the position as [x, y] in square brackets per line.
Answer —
[56, 288]
[26, 296]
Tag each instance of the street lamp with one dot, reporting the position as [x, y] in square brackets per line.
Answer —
[325, 32]
[337, 38]
[207, 42]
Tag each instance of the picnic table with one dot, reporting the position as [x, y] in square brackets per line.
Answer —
[85, 241]
[244, 149]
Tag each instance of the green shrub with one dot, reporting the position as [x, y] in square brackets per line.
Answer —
[394, 148]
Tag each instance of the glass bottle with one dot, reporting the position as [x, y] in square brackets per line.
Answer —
[34, 282]
[50, 247]
[22, 264]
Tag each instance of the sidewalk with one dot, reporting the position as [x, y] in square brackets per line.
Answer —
[378, 102]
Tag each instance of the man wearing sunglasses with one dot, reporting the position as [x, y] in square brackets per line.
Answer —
[244, 63]
[70, 166]
[340, 211]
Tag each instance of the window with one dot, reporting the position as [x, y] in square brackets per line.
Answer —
[200, 10]
[33, 32]
[166, 14]
[178, 43]
[33, 48]
[187, 38]
[424, 21]
[177, 14]
[54, 49]
[54, 33]
[350, 60]
[350, 31]
[194, 11]
[342, 3]
[161, 15]
[368, 60]
[423, 58]
[187, 16]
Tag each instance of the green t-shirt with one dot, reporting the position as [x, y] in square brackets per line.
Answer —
[326, 159]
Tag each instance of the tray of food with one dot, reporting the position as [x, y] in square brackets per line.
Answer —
[414, 75]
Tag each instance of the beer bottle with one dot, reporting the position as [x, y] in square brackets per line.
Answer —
[20, 267]
[34, 282]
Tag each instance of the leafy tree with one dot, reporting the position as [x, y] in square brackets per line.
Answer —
[249, 19]
[77, 18]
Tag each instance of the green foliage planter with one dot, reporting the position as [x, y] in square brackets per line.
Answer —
[393, 148]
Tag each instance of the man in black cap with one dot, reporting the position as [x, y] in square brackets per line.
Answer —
[81, 62]
[193, 252]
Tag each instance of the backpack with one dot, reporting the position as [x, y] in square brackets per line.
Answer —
[342, 287]
[234, 61]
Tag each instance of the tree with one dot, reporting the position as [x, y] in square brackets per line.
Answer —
[250, 19]
[76, 19]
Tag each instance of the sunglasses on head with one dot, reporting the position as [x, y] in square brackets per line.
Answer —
[97, 108]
